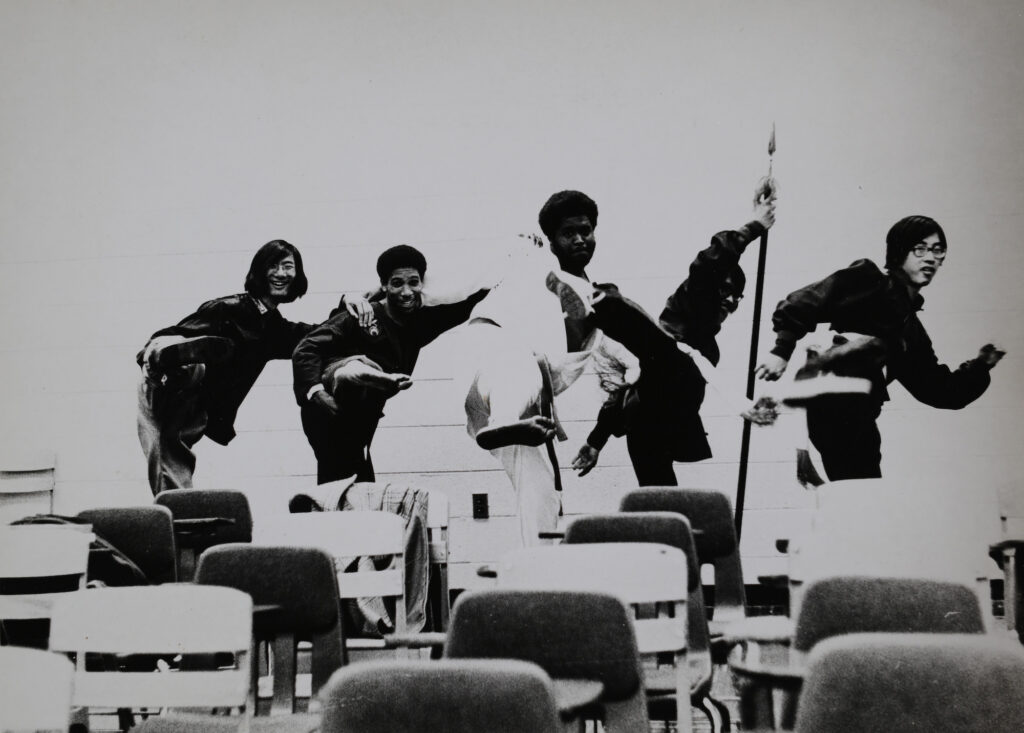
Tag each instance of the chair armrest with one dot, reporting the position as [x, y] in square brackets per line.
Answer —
[486, 571]
[420, 640]
[763, 629]
[997, 550]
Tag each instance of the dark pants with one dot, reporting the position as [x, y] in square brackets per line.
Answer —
[651, 457]
[844, 429]
[664, 425]
[341, 444]
[171, 419]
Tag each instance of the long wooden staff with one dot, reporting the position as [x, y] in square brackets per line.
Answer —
[741, 488]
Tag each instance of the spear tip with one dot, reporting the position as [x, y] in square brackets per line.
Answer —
[771, 141]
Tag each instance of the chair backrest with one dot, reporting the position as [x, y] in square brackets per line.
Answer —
[38, 563]
[637, 573]
[346, 536]
[26, 483]
[570, 634]
[301, 584]
[35, 690]
[455, 696]
[204, 518]
[665, 528]
[885, 528]
[204, 504]
[165, 619]
[711, 517]
[849, 605]
[145, 534]
[649, 577]
[900, 682]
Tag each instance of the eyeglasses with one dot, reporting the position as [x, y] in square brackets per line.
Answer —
[938, 250]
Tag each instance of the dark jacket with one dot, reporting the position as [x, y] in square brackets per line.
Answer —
[667, 405]
[692, 313]
[257, 336]
[394, 348]
[863, 299]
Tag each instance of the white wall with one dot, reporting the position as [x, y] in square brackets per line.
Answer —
[149, 148]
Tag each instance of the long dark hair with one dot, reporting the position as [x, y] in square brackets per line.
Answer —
[266, 257]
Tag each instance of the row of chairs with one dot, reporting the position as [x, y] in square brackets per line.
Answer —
[683, 578]
[290, 576]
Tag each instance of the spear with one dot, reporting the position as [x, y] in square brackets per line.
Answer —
[741, 488]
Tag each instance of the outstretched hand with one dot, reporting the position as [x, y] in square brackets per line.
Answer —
[586, 459]
[990, 354]
[772, 368]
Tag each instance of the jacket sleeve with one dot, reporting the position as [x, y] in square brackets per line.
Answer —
[609, 417]
[321, 345]
[800, 312]
[444, 317]
[702, 288]
[289, 336]
[210, 319]
[936, 384]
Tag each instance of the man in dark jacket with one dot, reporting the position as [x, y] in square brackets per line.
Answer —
[882, 306]
[660, 413]
[344, 371]
[196, 374]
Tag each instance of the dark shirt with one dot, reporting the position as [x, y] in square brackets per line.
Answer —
[863, 299]
[395, 348]
[257, 336]
[692, 313]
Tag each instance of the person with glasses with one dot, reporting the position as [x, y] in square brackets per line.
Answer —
[889, 343]
[659, 411]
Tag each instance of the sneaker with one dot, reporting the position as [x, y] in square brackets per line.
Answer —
[802, 391]
[574, 304]
[198, 350]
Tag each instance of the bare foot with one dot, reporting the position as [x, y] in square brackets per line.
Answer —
[535, 430]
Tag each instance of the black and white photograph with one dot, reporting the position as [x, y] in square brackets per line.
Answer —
[379, 365]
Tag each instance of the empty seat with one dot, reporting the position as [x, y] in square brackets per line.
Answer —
[877, 683]
[295, 591]
[145, 534]
[455, 696]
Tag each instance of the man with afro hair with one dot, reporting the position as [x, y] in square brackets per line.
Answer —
[349, 366]
[889, 343]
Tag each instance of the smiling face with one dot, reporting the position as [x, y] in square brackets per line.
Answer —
[403, 289]
[279, 279]
[920, 270]
[573, 244]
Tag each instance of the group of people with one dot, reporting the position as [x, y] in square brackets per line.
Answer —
[530, 332]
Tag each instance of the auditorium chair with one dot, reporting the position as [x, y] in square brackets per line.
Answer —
[672, 529]
[768, 662]
[35, 690]
[204, 518]
[451, 695]
[940, 683]
[145, 534]
[295, 593]
[711, 519]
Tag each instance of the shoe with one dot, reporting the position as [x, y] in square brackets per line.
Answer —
[802, 391]
[574, 305]
[197, 350]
